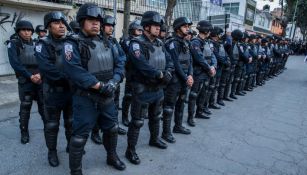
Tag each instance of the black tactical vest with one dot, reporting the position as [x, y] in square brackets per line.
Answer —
[222, 51]
[235, 52]
[100, 61]
[26, 55]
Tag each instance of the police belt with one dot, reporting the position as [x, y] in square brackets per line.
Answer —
[93, 95]
[53, 89]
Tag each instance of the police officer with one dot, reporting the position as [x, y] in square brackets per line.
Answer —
[239, 58]
[57, 92]
[135, 30]
[202, 57]
[229, 74]
[223, 65]
[151, 69]
[40, 31]
[176, 91]
[108, 25]
[246, 59]
[22, 59]
[163, 33]
[74, 25]
[252, 68]
[95, 73]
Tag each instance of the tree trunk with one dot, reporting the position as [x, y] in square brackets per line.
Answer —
[169, 13]
[126, 17]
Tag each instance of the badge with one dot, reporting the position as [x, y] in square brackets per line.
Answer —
[135, 46]
[68, 52]
[9, 45]
[38, 48]
[172, 46]
[137, 53]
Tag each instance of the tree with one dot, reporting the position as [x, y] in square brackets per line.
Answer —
[169, 12]
[300, 16]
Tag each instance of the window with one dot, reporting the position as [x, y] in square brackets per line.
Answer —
[232, 8]
[157, 3]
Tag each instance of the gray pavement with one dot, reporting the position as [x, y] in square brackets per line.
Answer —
[262, 133]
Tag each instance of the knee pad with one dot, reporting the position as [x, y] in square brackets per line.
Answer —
[78, 141]
[137, 123]
[168, 110]
[52, 126]
[193, 95]
[113, 129]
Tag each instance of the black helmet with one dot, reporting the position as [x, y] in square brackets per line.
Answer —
[269, 37]
[245, 35]
[216, 31]
[89, 10]
[54, 16]
[180, 22]
[252, 36]
[23, 25]
[163, 28]
[135, 25]
[152, 18]
[40, 28]
[264, 40]
[204, 26]
[237, 34]
[74, 25]
[109, 20]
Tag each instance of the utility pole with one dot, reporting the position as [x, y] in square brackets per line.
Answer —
[114, 12]
[294, 15]
[126, 17]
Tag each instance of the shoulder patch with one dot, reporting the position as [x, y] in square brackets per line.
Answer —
[38, 48]
[9, 45]
[68, 51]
[241, 48]
[172, 46]
[135, 46]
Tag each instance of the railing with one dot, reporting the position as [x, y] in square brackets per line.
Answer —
[137, 7]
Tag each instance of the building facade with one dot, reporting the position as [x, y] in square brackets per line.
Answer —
[263, 22]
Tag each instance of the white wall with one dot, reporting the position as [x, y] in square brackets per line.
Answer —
[6, 30]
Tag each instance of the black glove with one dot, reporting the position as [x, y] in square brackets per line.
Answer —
[167, 76]
[108, 89]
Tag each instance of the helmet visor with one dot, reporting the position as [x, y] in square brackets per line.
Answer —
[95, 12]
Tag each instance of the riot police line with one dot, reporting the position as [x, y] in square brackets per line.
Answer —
[78, 75]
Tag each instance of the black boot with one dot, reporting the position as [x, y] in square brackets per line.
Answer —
[154, 125]
[53, 158]
[212, 103]
[133, 134]
[24, 122]
[95, 136]
[51, 130]
[76, 150]
[220, 95]
[125, 111]
[110, 144]
[121, 131]
[233, 89]
[167, 119]
[214, 106]
[201, 114]
[181, 130]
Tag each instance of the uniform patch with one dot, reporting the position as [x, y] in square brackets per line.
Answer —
[9, 45]
[68, 52]
[137, 53]
[135, 46]
[241, 48]
[211, 45]
[172, 46]
[38, 48]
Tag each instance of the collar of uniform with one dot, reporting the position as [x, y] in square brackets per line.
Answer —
[155, 41]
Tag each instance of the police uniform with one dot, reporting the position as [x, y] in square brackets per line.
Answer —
[89, 61]
[23, 61]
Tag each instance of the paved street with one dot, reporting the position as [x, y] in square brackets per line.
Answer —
[262, 133]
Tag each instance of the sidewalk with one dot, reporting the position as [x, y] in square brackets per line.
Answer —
[8, 89]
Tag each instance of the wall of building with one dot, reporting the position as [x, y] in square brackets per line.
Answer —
[7, 29]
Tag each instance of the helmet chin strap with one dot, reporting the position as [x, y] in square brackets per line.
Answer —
[149, 32]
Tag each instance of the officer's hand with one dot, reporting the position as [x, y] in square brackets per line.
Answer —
[35, 79]
[259, 56]
[190, 81]
[250, 59]
[167, 76]
[108, 89]
[212, 71]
